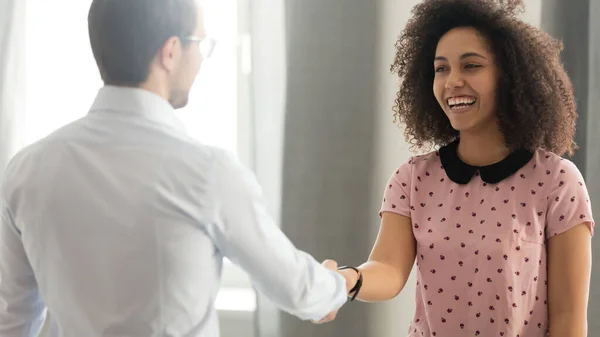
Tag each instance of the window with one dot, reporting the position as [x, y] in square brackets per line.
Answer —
[62, 74]
[60, 68]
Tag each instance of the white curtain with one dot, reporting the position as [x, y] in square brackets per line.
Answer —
[268, 83]
[12, 77]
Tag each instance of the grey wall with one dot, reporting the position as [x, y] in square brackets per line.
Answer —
[558, 18]
[391, 318]
[236, 323]
[576, 23]
[593, 154]
[328, 141]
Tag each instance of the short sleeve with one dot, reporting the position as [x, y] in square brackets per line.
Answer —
[568, 201]
[396, 197]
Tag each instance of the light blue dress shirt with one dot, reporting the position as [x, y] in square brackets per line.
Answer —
[118, 224]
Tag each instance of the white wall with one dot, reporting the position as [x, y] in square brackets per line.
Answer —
[391, 319]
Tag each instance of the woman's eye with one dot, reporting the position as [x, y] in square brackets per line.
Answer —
[472, 66]
[440, 69]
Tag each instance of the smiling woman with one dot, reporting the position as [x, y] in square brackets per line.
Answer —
[534, 97]
[498, 222]
[465, 79]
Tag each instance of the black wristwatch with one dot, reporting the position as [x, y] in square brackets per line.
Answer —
[354, 291]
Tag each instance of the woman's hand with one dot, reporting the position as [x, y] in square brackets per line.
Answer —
[351, 278]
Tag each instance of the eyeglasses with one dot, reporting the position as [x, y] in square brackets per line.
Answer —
[206, 44]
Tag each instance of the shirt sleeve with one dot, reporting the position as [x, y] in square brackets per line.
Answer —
[396, 197]
[22, 311]
[568, 200]
[249, 237]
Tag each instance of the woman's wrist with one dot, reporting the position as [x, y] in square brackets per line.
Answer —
[351, 277]
[354, 280]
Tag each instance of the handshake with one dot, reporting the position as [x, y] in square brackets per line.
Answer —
[352, 280]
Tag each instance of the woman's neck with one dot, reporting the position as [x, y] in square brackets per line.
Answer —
[482, 148]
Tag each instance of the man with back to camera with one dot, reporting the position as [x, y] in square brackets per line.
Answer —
[119, 222]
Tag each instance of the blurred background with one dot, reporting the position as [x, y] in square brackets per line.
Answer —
[301, 91]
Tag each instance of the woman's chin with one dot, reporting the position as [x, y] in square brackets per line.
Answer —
[461, 126]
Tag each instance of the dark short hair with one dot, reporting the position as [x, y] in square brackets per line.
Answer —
[535, 98]
[127, 34]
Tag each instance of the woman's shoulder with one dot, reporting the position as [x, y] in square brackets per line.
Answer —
[554, 164]
[557, 172]
[430, 158]
[418, 165]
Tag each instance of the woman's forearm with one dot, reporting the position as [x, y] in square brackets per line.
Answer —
[568, 325]
[391, 260]
[381, 282]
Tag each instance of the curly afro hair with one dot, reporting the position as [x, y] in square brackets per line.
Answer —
[535, 99]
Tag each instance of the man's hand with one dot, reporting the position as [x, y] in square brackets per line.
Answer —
[331, 265]
[351, 279]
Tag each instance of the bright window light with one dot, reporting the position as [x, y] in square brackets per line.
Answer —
[211, 114]
[61, 74]
[236, 299]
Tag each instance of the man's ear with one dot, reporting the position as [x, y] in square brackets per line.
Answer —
[170, 54]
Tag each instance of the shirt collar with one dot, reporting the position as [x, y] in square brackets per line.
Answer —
[461, 172]
[136, 101]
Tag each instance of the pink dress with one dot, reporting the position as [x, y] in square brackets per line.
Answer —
[481, 246]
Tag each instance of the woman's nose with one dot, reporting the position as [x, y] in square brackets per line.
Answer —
[454, 81]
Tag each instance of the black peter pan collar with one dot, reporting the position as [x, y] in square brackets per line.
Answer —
[461, 172]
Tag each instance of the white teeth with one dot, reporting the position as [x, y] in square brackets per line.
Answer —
[460, 100]
[460, 107]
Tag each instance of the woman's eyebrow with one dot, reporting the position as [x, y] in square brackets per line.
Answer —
[463, 56]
